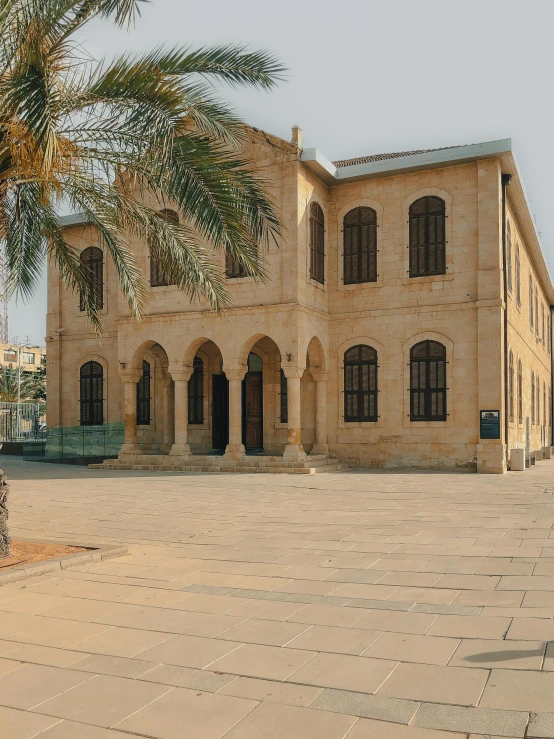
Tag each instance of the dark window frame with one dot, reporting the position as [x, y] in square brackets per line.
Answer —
[518, 275]
[428, 390]
[519, 391]
[509, 256]
[157, 277]
[196, 393]
[511, 386]
[143, 395]
[359, 230]
[424, 241]
[361, 384]
[317, 243]
[92, 262]
[91, 394]
[234, 268]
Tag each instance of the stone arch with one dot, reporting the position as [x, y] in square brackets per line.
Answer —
[315, 355]
[381, 352]
[155, 349]
[249, 344]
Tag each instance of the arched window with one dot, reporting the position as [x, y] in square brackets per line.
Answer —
[317, 243]
[427, 237]
[92, 394]
[531, 311]
[360, 384]
[157, 277]
[532, 398]
[283, 397]
[544, 403]
[538, 400]
[536, 311]
[360, 246]
[519, 392]
[518, 276]
[542, 323]
[234, 267]
[143, 396]
[509, 256]
[511, 386]
[92, 263]
[428, 382]
[196, 392]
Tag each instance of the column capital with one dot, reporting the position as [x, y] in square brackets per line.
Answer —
[130, 375]
[319, 375]
[182, 374]
[291, 372]
[234, 373]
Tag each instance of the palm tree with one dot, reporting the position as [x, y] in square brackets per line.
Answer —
[32, 388]
[89, 135]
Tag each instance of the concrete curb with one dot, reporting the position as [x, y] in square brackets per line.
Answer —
[94, 554]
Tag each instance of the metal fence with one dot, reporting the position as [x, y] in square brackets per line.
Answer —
[22, 421]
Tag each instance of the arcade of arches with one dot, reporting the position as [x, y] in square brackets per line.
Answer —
[206, 407]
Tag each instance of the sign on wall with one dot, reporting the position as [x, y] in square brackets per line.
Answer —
[489, 427]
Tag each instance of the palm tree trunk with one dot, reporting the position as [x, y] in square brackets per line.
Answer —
[4, 536]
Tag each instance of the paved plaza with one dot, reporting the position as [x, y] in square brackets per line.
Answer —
[367, 605]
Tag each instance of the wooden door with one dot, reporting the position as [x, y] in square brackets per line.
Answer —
[253, 411]
[220, 412]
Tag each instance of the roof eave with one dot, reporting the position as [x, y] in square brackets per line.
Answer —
[75, 219]
[317, 163]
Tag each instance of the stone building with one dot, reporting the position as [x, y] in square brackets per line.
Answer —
[407, 315]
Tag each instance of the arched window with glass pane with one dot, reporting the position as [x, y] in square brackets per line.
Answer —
[157, 276]
[511, 386]
[360, 384]
[196, 392]
[92, 263]
[509, 256]
[92, 394]
[531, 310]
[427, 237]
[428, 381]
[360, 246]
[317, 243]
[518, 276]
[143, 396]
[532, 398]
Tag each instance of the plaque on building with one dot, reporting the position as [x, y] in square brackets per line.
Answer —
[489, 425]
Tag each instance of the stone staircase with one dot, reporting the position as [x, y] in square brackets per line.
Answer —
[217, 463]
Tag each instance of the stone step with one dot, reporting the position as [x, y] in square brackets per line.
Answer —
[200, 464]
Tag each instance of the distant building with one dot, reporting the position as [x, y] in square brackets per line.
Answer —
[406, 323]
[33, 358]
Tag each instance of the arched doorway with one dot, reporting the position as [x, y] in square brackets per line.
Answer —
[252, 405]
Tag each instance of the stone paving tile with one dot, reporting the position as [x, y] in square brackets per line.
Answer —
[344, 672]
[472, 720]
[432, 650]
[103, 700]
[541, 726]
[369, 706]
[405, 623]
[188, 677]
[262, 609]
[335, 639]
[519, 691]
[532, 628]
[435, 684]
[262, 631]
[272, 721]
[12, 624]
[271, 691]
[323, 615]
[182, 713]
[9, 665]
[33, 684]
[21, 724]
[61, 633]
[496, 653]
[471, 627]
[50, 656]
[254, 660]
[121, 642]
[73, 730]
[117, 666]
[370, 729]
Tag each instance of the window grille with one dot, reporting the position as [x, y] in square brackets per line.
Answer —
[511, 386]
[427, 237]
[360, 246]
[317, 243]
[92, 264]
[143, 396]
[533, 419]
[92, 394]
[196, 392]
[360, 384]
[157, 276]
[519, 392]
[509, 257]
[518, 276]
[428, 382]
[234, 267]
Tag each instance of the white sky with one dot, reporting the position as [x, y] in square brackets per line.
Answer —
[368, 77]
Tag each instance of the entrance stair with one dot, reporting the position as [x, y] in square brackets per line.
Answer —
[217, 463]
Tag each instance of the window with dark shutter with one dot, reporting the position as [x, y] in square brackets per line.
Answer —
[511, 386]
[532, 398]
[143, 396]
[519, 392]
[234, 267]
[428, 382]
[360, 384]
[283, 397]
[360, 246]
[518, 276]
[317, 243]
[196, 392]
[427, 237]
[509, 257]
[92, 263]
[157, 277]
[92, 394]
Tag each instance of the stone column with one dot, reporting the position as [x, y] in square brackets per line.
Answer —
[294, 451]
[320, 446]
[180, 446]
[130, 446]
[235, 447]
[168, 426]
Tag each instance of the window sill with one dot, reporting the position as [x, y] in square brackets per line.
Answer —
[240, 280]
[446, 277]
[342, 424]
[360, 285]
[316, 284]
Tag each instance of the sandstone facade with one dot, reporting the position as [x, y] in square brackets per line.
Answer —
[304, 327]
